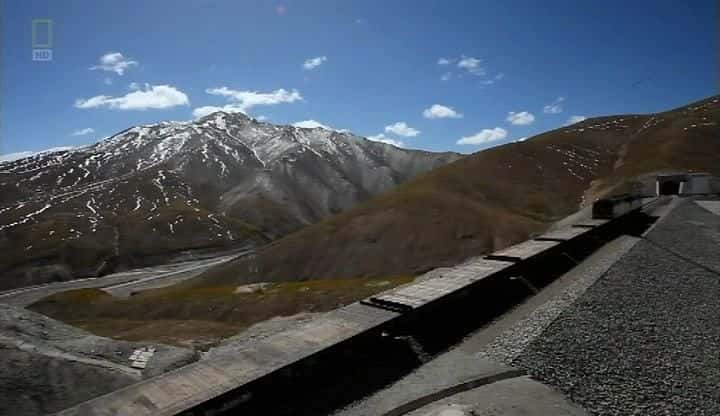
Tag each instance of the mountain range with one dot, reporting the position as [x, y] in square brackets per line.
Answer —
[474, 205]
[151, 193]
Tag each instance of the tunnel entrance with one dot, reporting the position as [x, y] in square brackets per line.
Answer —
[670, 187]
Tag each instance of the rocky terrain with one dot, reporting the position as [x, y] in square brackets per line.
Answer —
[150, 193]
[46, 366]
[488, 200]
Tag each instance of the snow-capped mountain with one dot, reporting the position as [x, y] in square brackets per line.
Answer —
[151, 191]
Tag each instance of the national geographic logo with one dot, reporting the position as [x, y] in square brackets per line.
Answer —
[42, 39]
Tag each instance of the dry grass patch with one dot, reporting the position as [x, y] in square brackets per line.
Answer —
[200, 317]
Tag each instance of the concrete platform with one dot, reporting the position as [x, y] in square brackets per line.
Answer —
[522, 251]
[562, 234]
[418, 294]
[180, 390]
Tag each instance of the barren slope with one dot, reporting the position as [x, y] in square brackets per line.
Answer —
[488, 200]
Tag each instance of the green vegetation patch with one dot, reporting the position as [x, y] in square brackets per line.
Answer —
[189, 316]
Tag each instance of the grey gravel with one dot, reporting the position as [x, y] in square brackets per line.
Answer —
[506, 347]
[645, 339]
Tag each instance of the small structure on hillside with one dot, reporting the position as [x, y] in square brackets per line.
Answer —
[140, 357]
[692, 183]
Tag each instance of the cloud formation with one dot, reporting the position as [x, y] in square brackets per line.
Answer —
[440, 111]
[575, 119]
[402, 129]
[471, 65]
[484, 136]
[83, 132]
[151, 97]
[241, 101]
[114, 62]
[312, 124]
[523, 118]
[456, 67]
[494, 79]
[313, 63]
[383, 139]
[555, 107]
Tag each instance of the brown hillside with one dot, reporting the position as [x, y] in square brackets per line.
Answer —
[491, 199]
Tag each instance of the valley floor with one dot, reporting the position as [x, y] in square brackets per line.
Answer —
[120, 284]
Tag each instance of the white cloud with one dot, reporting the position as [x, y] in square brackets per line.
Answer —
[441, 111]
[134, 86]
[312, 124]
[114, 62]
[494, 79]
[19, 155]
[313, 63]
[83, 132]
[107, 81]
[485, 136]
[522, 139]
[383, 139]
[242, 101]
[575, 119]
[402, 129]
[471, 65]
[555, 107]
[200, 112]
[522, 118]
[153, 96]
[261, 118]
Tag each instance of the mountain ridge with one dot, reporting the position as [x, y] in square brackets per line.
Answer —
[223, 180]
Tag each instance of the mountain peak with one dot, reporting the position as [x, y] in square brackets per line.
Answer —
[159, 189]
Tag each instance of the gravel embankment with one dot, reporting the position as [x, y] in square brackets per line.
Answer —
[645, 339]
[511, 343]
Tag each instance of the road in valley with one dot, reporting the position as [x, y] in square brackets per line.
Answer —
[120, 284]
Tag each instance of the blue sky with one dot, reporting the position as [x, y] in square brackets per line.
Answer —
[371, 65]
